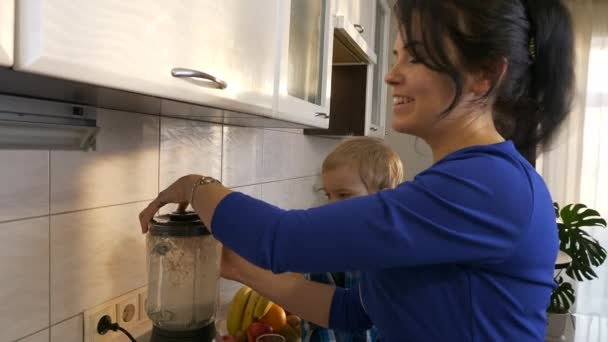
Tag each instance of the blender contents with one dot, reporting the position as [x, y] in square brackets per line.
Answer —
[184, 265]
[183, 275]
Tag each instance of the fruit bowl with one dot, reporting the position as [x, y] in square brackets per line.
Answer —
[251, 315]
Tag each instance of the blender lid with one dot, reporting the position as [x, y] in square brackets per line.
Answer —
[184, 223]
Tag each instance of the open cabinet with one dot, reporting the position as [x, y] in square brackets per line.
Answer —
[263, 63]
[358, 92]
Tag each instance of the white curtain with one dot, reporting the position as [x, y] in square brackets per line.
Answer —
[594, 176]
[592, 296]
[576, 167]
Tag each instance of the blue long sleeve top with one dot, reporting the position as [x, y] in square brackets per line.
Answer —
[464, 252]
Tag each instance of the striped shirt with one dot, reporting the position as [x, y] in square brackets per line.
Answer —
[314, 333]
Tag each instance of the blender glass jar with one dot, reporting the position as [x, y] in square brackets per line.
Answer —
[183, 272]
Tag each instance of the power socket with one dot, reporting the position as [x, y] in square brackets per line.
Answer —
[127, 310]
[91, 320]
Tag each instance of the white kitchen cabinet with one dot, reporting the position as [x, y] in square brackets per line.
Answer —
[360, 13]
[136, 45]
[7, 15]
[375, 122]
[372, 19]
[358, 92]
[305, 49]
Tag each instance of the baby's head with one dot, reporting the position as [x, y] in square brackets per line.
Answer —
[360, 166]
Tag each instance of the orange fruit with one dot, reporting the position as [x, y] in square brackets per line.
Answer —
[275, 317]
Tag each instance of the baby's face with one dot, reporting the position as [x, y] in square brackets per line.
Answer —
[343, 183]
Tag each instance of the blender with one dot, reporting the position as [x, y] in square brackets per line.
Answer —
[183, 274]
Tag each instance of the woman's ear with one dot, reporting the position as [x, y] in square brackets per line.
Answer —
[482, 82]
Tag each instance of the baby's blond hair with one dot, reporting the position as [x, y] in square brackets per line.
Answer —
[378, 165]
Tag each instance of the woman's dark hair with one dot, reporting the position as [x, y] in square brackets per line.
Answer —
[535, 38]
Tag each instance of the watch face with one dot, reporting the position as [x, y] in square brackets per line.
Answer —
[208, 180]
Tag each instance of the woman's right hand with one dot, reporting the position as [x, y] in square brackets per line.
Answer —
[292, 291]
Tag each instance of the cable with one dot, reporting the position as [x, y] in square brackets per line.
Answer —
[124, 331]
[105, 324]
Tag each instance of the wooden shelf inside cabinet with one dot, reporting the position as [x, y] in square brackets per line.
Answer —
[348, 100]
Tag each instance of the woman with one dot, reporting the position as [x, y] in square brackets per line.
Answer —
[465, 252]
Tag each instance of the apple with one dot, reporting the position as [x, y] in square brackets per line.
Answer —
[257, 329]
[241, 337]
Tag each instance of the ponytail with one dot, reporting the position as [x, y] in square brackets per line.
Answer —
[552, 73]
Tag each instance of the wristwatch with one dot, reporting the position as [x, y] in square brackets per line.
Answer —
[203, 180]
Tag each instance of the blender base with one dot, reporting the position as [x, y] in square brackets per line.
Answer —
[204, 334]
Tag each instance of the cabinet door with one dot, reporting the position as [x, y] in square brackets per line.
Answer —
[376, 117]
[136, 45]
[366, 20]
[360, 13]
[304, 90]
[7, 15]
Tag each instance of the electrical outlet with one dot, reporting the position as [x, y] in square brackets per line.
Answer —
[127, 310]
[91, 319]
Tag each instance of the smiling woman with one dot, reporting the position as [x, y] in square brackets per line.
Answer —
[464, 252]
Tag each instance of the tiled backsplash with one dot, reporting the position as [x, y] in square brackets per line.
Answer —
[69, 237]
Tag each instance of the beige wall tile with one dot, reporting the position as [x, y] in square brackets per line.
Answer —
[96, 255]
[24, 180]
[71, 330]
[123, 169]
[242, 156]
[42, 336]
[24, 275]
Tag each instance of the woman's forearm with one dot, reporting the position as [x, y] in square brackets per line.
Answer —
[309, 300]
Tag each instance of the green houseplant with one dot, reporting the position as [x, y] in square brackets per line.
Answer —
[586, 253]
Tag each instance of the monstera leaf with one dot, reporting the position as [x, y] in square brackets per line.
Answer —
[562, 297]
[585, 251]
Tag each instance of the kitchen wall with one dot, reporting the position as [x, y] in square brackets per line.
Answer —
[69, 236]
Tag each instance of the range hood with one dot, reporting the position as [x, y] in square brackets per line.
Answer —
[37, 124]
[349, 45]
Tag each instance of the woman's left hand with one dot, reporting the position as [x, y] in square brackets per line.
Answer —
[178, 192]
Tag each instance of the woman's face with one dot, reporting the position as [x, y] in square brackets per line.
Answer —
[420, 95]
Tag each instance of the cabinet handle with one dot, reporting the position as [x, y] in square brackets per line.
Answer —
[373, 129]
[359, 28]
[322, 115]
[189, 73]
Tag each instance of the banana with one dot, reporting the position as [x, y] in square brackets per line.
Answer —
[261, 307]
[248, 314]
[237, 308]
